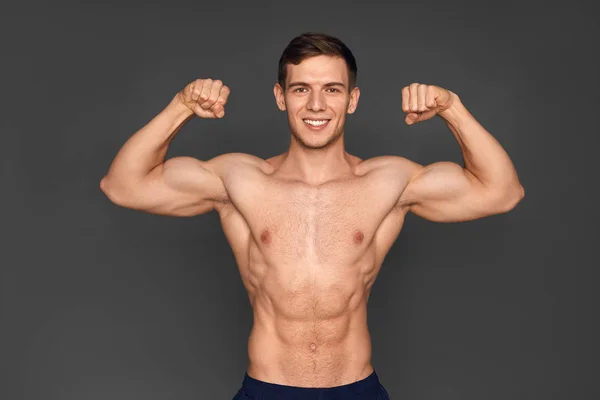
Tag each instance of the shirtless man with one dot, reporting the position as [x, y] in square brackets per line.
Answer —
[310, 228]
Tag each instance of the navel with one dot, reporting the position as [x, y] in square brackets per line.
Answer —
[265, 237]
[313, 346]
[359, 237]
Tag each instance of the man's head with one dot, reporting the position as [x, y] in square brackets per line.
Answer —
[317, 82]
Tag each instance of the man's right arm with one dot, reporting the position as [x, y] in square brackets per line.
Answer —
[141, 179]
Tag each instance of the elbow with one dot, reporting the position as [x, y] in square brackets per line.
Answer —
[111, 190]
[518, 196]
[107, 188]
[103, 185]
[511, 198]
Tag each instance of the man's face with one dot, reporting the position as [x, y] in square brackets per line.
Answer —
[316, 99]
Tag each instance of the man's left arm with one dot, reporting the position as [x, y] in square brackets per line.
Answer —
[447, 192]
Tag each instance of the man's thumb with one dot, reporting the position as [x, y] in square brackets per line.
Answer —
[411, 118]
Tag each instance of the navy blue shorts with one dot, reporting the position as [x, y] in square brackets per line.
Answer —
[366, 389]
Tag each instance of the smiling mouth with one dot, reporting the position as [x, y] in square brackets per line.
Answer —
[316, 123]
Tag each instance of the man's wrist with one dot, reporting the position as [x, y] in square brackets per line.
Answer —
[177, 114]
[456, 112]
[180, 109]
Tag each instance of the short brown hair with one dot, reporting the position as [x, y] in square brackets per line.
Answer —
[311, 44]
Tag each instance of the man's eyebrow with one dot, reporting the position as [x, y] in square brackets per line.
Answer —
[327, 84]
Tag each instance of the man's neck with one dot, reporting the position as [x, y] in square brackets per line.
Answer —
[316, 166]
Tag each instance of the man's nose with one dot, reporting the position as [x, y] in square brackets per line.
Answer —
[316, 102]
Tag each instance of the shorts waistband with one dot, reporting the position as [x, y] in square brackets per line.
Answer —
[266, 390]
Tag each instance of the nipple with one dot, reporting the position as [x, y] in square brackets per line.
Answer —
[358, 237]
[265, 237]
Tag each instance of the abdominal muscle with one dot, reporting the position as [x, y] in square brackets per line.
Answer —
[310, 323]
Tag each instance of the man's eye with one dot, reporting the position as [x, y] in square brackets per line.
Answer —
[333, 89]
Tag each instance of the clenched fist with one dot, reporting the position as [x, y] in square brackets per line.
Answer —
[422, 102]
[205, 97]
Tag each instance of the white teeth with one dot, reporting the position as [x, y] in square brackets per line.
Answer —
[315, 122]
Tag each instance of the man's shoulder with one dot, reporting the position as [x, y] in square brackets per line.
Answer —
[387, 163]
[244, 160]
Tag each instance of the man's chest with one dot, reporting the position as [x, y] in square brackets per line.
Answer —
[336, 221]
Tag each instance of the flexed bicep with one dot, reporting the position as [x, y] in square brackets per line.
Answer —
[181, 186]
[446, 192]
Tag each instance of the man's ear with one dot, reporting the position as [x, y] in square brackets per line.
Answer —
[279, 98]
[354, 95]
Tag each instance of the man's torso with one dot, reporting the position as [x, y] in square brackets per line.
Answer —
[308, 257]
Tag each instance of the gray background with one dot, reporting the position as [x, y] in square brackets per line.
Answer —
[101, 302]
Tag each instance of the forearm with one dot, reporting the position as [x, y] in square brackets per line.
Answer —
[147, 148]
[483, 156]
